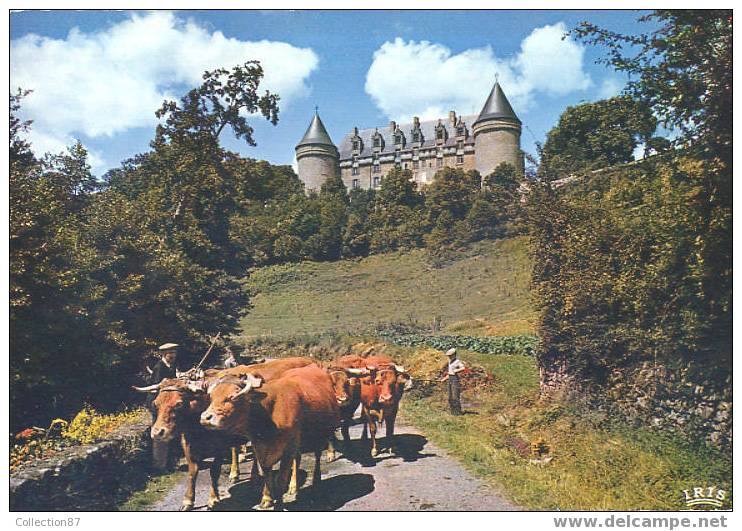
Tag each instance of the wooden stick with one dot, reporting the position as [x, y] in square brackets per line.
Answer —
[213, 342]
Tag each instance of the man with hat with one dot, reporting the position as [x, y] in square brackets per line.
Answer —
[454, 367]
[165, 367]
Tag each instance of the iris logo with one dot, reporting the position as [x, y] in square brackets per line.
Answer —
[700, 496]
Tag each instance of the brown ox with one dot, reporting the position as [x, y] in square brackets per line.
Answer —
[179, 405]
[347, 388]
[282, 418]
[382, 385]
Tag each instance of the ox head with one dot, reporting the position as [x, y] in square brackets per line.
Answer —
[391, 382]
[177, 402]
[227, 408]
[346, 383]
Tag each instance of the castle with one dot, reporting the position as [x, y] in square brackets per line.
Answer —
[475, 142]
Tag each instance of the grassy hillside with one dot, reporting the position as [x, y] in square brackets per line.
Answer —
[482, 291]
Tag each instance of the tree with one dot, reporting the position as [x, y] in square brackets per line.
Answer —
[223, 99]
[398, 219]
[596, 135]
[452, 191]
[101, 276]
[682, 71]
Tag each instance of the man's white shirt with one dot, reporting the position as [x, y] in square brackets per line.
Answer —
[455, 366]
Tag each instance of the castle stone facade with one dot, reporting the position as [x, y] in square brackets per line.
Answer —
[474, 142]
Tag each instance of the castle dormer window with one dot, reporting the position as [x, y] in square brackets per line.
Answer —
[399, 139]
[356, 144]
[417, 136]
[440, 132]
[461, 131]
[378, 141]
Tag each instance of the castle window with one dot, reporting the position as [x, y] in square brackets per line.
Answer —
[377, 182]
[461, 131]
[397, 165]
[415, 164]
[356, 184]
[460, 145]
[355, 170]
[459, 159]
[357, 144]
[378, 141]
[439, 162]
[377, 168]
[440, 132]
[416, 136]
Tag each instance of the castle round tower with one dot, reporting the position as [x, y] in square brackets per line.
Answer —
[497, 134]
[317, 157]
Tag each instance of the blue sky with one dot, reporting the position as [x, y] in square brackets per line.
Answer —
[100, 75]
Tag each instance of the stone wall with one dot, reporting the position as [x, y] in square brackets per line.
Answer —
[91, 477]
[676, 400]
[672, 400]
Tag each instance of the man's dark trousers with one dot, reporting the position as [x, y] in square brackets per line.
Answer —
[454, 394]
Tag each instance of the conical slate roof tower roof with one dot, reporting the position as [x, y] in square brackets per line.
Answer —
[316, 134]
[497, 106]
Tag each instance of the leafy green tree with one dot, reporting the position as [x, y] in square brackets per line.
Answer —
[356, 239]
[596, 135]
[453, 191]
[682, 71]
[398, 220]
[99, 278]
[448, 201]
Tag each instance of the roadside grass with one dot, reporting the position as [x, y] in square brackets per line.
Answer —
[155, 489]
[483, 285]
[596, 464]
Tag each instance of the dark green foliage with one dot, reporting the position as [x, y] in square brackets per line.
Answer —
[398, 219]
[618, 270]
[633, 265]
[596, 135]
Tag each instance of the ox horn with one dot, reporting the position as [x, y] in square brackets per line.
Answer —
[149, 389]
[251, 382]
[399, 368]
[356, 372]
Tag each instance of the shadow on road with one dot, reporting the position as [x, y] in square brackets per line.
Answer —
[408, 446]
[331, 494]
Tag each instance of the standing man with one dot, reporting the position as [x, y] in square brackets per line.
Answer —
[455, 366]
[164, 368]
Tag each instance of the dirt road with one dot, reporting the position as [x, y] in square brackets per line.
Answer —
[419, 477]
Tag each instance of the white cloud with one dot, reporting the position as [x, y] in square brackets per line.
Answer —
[610, 87]
[109, 81]
[425, 79]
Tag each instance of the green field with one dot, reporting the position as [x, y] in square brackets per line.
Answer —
[482, 291]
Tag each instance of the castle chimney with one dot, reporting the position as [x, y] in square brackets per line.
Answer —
[452, 117]
[416, 121]
[393, 125]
